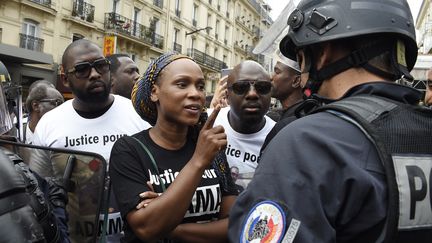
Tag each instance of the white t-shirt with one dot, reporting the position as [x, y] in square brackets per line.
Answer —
[243, 150]
[64, 128]
[28, 135]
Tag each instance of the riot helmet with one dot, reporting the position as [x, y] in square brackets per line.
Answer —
[5, 118]
[318, 21]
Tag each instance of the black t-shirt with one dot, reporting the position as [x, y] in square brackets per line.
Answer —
[131, 168]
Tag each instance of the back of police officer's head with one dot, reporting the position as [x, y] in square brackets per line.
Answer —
[378, 36]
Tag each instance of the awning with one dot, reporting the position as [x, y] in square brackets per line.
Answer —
[13, 54]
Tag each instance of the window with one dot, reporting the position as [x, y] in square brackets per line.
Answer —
[192, 43]
[216, 50]
[195, 12]
[136, 18]
[28, 37]
[176, 31]
[177, 8]
[115, 6]
[209, 23]
[30, 28]
[155, 25]
[217, 29]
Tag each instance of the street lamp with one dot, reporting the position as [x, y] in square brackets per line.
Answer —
[193, 32]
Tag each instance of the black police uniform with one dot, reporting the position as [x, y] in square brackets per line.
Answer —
[325, 178]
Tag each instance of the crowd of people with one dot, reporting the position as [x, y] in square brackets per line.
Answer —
[346, 159]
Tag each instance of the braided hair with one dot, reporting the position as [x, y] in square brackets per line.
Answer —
[142, 89]
[146, 108]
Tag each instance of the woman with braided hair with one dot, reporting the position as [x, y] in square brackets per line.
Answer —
[172, 181]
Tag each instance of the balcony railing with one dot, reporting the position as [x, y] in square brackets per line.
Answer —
[177, 47]
[158, 3]
[46, 3]
[121, 24]
[194, 22]
[31, 42]
[206, 60]
[83, 10]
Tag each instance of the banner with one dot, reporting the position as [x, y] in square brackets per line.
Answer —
[109, 45]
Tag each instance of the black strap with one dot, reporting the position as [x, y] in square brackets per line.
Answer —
[361, 110]
[357, 58]
[155, 167]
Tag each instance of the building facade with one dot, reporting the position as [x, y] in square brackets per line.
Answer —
[424, 42]
[216, 33]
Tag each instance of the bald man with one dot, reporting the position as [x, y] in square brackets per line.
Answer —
[246, 125]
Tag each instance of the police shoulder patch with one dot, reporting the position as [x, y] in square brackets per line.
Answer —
[264, 223]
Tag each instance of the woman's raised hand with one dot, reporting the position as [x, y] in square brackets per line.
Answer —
[210, 140]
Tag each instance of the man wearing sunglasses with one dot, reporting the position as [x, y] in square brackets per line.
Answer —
[92, 121]
[428, 95]
[42, 98]
[246, 125]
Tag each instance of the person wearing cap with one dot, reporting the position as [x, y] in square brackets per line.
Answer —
[286, 86]
[287, 89]
[356, 169]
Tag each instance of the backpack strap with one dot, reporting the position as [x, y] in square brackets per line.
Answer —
[361, 111]
[155, 167]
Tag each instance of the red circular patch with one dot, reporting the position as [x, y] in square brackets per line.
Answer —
[94, 165]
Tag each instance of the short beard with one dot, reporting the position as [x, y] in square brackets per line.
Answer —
[87, 97]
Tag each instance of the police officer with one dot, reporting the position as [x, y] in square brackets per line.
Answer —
[32, 209]
[358, 169]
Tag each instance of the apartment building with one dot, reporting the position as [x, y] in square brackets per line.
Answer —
[424, 42]
[216, 33]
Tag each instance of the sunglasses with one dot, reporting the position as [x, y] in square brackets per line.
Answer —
[83, 69]
[242, 87]
[53, 102]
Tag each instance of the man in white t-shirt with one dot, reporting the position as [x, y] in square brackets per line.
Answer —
[92, 121]
[42, 97]
[246, 125]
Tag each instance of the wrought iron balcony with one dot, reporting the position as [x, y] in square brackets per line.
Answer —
[46, 3]
[31, 43]
[83, 10]
[158, 3]
[206, 60]
[123, 25]
[177, 47]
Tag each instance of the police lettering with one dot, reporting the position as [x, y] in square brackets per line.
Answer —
[417, 193]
